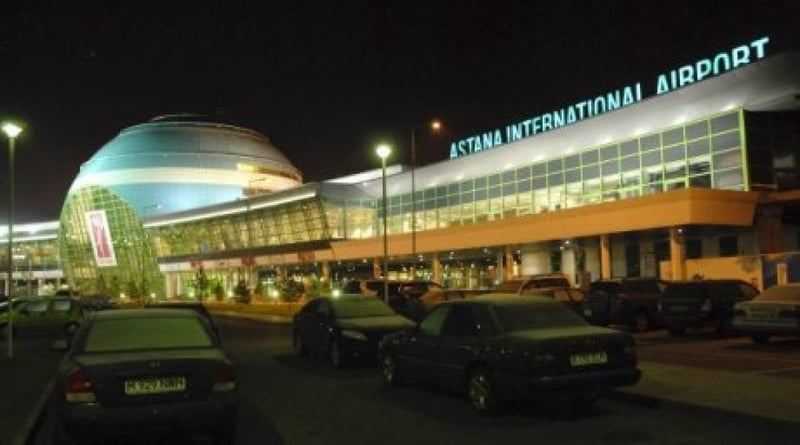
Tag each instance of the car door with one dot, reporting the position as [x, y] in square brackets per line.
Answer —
[420, 351]
[305, 321]
[458, 346]
[322, 326]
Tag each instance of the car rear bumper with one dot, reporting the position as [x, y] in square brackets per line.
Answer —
[87, 423]
[745, 327]
[516, 386]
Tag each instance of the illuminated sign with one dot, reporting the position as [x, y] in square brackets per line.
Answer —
[628, 95]
[97, 224]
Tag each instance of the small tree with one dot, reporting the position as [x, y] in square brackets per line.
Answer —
[259, 290]
[219, 292]
[242, 292]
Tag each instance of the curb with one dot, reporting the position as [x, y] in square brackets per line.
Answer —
[34, 421]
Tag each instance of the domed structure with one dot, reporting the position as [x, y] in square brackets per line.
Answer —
[182, 162]
[168, 165]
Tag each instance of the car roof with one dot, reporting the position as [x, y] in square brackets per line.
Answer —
[503, 299]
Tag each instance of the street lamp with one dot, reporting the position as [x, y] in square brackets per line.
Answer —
[434, 125]
[383, 152]
[12, 131]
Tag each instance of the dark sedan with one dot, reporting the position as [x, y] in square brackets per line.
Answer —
[500, 346]
[345, 327]
[137, 372]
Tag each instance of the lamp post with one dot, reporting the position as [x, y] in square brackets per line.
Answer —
[383, 152]
[434, 125]
[12, 131]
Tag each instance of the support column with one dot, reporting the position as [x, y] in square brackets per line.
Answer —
[326, 275]
[436, 263]
[508, 269]
[376, 268]
[676, 254]
[605, 256]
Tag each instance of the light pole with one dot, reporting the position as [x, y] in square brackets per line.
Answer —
[434, 125]
[12, 131]
[383, 152]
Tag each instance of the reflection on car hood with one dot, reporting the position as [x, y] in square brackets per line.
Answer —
[387, 322]
[107, 358]
[554, 335]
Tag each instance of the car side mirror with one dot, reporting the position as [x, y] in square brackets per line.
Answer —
[62, 344]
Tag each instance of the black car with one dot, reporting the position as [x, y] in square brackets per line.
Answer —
[131, 373]
[631, 302]
[702, 303]
[497, 347]
[345, 327]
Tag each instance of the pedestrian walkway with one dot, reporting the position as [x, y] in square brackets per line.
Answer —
[749, 394]
[25, 382]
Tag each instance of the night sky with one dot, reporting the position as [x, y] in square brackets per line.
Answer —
[326, 81]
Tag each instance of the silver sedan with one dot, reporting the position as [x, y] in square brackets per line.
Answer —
[775, 311]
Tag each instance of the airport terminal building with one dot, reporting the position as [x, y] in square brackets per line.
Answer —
[692, 173]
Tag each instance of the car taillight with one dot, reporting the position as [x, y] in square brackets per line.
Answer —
[225, 380]
[79, 387]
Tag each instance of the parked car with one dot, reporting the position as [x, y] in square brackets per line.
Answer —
[40, 314]
[131, 372]
[570, 297]
[519, 285]
[776, 311]
[410, 298]
[631, 302]
[344, 328]
[702, 303]
[497, 347]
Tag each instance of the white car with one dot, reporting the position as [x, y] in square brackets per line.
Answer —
[775, 311]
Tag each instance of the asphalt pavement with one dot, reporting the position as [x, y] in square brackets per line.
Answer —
[26, 380]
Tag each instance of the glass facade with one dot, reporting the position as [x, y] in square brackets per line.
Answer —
[707, 153]
[296, 222]
[136, 273]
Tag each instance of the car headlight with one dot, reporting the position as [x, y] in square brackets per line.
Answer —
[354, 335]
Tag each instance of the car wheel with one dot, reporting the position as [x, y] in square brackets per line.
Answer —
[390, 371]
[337, 358]
[70, 328]
[641, 322]
[760, 338]
[482, 392]
[676, 332]
[299, 347]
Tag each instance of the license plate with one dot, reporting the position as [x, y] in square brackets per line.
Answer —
[589, 358]
[155, 386]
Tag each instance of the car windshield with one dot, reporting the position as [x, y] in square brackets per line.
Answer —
[132, 334]
[780, 293]
[521, 317]
[360, 307]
